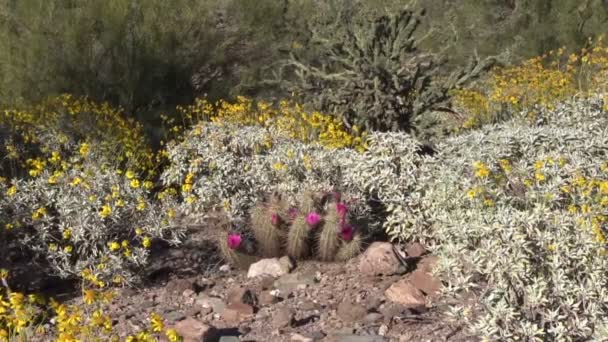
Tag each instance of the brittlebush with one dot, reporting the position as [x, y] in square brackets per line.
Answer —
[540, 82]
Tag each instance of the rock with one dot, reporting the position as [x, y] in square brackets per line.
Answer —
[188, 293]
[267, 298]
[229, 339]
[224, 268]
[216, 304]
[415, 249]
[404, 293]
[373, 317]
[282, 318]
[350, 312]
[267, 283]
[425, 282]
[379, 259]
[237, 312]
[427, 263]
[301, 338]
[241, 294]
[176, 286]
[174, 316]
[287, 262]
[268, 267]
[289, 283]
[193, 330]
[383, 330]
[309, 305]
[354, 338]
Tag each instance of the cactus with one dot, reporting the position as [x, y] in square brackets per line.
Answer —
[350, 249]
[230, 246]
[372, 73]
[327, 240]
[298, 237]
[266, 225]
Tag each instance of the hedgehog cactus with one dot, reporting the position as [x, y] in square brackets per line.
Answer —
[230, 245]
[266, 226]
[350, 248]
[298, 237]
[327, 240]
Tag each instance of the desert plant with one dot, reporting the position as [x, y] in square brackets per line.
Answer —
[517, 217]
[371, 73]
[268, 223]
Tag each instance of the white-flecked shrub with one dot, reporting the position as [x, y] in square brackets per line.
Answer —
[518, 217]
[231, 167]
[82, 216]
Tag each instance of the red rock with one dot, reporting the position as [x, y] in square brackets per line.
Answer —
[379, 259]
[193, 330]
[426, 282]
[415, 249]
[237, 312]
[406, 294]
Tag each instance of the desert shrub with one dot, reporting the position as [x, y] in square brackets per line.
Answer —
[75, 188]
[81, 216]
[517, 217]
[25, 317]
[540, 82]
[370, 72]
[287, 116]
[235, 166]
[56, 125]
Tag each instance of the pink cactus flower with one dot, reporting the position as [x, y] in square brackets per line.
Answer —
[313, 219]
[234, 241]
[275, 219]
[347, 232]
[342, 209]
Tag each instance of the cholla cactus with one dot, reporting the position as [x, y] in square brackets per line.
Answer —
[372, 73]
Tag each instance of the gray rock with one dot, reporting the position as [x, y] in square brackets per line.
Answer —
[216, 304]
[229, 339]
[268, 267]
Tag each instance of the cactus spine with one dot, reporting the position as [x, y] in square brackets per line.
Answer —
[327, 241]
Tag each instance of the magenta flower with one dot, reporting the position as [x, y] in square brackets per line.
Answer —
[342, 209]
[275, 219]
[313, 219]
[347, 232]
[234, 241]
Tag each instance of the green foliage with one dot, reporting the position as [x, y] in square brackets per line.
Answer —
[371, 72]
[521, 29]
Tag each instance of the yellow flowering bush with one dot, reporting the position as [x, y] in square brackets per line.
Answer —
[59, 124]
[73, 215]
[540, 82]
[518, 217]
[287, 117]
[25, 317]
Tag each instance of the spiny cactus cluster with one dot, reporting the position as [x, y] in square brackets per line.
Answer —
[317, 227]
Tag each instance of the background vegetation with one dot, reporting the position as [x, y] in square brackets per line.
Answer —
[125, 122]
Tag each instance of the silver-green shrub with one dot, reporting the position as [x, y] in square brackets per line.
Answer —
[518, 218]
[231, 167]
[80, 215]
